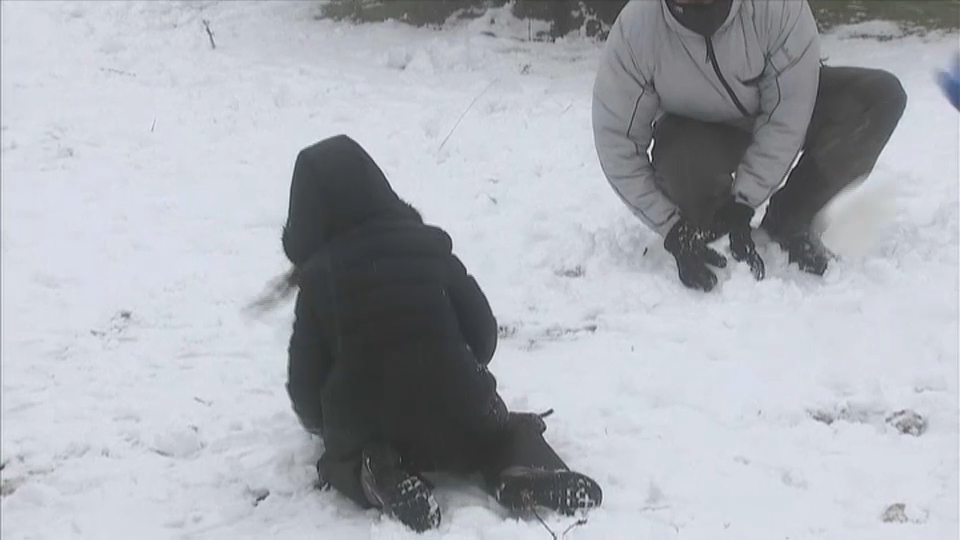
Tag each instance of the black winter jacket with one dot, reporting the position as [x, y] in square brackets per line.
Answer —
[392, 336]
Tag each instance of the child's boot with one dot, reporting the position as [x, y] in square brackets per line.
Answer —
[394, 490]
[527, 473]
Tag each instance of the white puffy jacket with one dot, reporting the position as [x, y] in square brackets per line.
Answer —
[760, 70]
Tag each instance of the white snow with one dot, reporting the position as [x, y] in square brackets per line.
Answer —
[144, 185]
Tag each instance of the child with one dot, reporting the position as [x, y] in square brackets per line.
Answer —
[389, 352]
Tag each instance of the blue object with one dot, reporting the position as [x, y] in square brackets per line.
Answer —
[950, 82]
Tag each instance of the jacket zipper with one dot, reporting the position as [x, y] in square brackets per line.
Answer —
[712, 56]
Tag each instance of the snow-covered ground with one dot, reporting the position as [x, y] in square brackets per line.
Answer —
[144, 184]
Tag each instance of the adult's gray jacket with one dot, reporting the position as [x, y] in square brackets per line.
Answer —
[767, 53]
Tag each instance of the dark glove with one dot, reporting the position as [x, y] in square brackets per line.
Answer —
[737, 217]
[687, 243]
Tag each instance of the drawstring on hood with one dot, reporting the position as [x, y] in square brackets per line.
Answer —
[702, 18]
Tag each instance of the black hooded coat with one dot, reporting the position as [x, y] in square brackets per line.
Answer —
[391, 336]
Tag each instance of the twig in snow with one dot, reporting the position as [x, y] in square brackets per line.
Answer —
[206, 25]
[544, 523]
[580, 522]
[118, 71]
[154, 124]
[472, 103]
[202, 401]
[561, 536]
[567, 109]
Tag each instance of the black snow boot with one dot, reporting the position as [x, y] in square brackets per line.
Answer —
[390, 487]
[523, 489]
[808, 252]
[525, 473]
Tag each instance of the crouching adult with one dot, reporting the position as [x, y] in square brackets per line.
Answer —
[730, 93]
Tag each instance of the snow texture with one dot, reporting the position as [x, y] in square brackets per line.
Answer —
[144, 185]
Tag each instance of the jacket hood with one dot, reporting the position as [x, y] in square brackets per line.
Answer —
[702, 18]
[336, 187]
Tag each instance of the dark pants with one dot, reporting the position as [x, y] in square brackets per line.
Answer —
[521, 444]
[856, 112]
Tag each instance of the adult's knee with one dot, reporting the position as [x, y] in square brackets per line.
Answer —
[688, 150]
[889, 96]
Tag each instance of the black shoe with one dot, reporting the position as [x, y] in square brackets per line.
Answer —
[809, 254]
[524, 489]
[405, 496]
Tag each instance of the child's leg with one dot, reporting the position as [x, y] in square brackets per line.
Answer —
[377, 479]
[525, 472]
[388, 485]
[357, 462]
[343, 475]
[523, 445]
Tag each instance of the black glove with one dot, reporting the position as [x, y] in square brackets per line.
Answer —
[688, 245]
[736, 216]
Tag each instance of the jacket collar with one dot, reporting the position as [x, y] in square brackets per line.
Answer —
[678, 27]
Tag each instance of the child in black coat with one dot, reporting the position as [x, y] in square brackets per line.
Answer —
[389, 352]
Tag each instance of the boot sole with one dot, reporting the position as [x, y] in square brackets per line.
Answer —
[410, 501]
[565, 492]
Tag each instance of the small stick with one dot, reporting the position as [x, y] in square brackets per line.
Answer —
[118, 71]
[465, 113]
[561, 536]
[153, 125]
[206, 25]
[542, 522]
[578, 523]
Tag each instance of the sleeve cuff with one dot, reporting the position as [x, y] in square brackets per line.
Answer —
[665, 227]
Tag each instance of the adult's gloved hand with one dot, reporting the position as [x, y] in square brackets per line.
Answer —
[736, 216]
[687, 243]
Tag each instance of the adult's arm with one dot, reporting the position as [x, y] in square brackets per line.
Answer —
[788, 91]
[625, 105]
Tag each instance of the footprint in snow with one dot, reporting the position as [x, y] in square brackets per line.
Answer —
[908, 422]
[905, 421]
[178, 444]
[898, 513]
